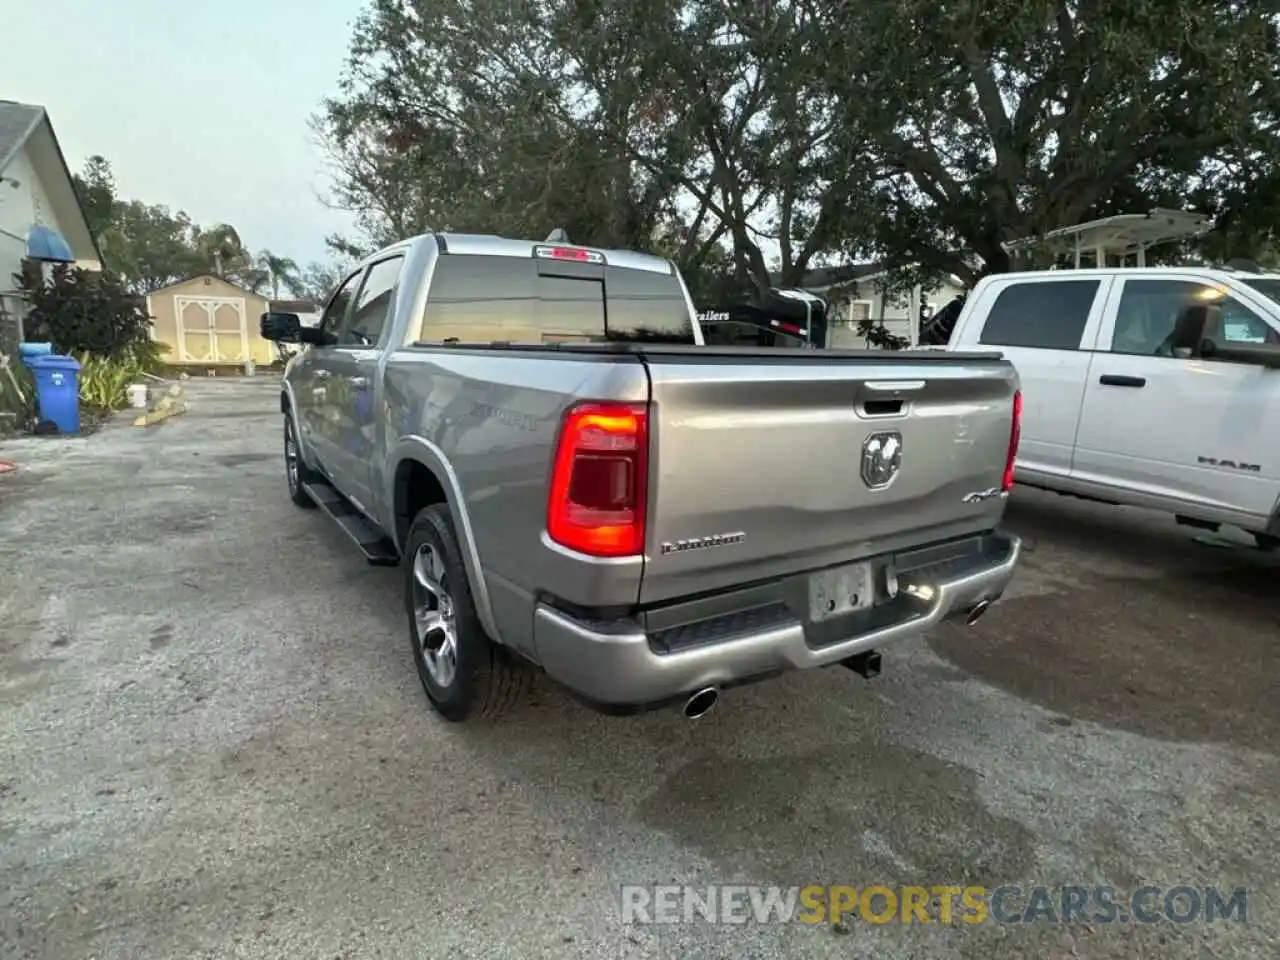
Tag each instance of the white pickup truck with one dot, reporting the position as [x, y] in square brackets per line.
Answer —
[1148, 387]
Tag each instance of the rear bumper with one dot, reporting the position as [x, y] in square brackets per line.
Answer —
[620, 664]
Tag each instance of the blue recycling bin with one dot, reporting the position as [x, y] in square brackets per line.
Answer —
[58, 390]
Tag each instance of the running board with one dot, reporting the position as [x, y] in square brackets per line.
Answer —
[377, 549]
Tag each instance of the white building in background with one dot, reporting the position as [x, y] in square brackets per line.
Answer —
[40, 214]
[853, 294]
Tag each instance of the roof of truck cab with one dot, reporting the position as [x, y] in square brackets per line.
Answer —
[1085, 273]
[481, 244]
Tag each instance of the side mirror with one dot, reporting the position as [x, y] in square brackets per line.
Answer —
[281, 327]
[1258, 354]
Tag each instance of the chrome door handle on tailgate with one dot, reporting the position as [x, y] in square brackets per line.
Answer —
[893, 386]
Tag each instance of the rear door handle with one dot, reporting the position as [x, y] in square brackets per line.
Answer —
[1116, 380]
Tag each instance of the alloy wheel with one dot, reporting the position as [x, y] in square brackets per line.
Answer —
[291, 455]
[433, 616]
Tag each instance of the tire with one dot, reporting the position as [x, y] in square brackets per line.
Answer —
[296, 472]
[1267, 541]
[485, 680]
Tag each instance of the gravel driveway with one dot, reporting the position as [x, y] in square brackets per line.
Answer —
[213, 743]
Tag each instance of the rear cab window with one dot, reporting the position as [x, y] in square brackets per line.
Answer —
[1048, 314]
[496, 299]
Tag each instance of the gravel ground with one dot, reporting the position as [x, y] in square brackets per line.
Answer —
[213, 743]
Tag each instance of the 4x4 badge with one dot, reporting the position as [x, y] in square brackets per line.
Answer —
[980, 495]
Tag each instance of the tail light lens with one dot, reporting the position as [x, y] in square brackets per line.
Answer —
[1015, 435]
[597, 503]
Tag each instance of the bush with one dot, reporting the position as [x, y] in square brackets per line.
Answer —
[17, 395]
[82, 311]
[874, 332]
[104, 384]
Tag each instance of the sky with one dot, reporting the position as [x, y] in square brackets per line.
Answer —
[199, 108]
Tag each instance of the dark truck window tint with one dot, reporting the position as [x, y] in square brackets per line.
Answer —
[647, 307]
[1149, 310]
[336, 311]
[364, 328]
[1049, 314]
[480, 299]
[1268, 286]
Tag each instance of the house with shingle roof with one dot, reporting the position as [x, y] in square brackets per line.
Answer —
[40, 214]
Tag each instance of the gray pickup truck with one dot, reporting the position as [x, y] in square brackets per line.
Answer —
[573, 480]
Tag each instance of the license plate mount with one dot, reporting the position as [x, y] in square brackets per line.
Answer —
[841, 591]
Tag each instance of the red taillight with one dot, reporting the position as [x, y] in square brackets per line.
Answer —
[598, 479]
[1015, 434]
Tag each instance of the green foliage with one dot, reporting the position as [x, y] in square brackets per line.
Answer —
[82, 311]
[876, 335]
[994, 120]
[279, 272]
[18, 395]
[318, 280]
[927, 134]
[147, 245]
[96, 187]
[104, 384]
[150, 246]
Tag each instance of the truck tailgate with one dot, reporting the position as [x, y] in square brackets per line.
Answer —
[767, 463]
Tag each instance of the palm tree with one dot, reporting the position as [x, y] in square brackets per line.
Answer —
[281, 271]
[221, 244]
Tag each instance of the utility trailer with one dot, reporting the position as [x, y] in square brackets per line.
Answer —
[783, 317]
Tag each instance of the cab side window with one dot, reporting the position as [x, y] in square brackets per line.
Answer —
[373, 305]
[1049, 314]
[336, 311]
[1147, 319]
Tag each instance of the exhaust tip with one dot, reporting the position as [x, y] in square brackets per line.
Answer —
[700, 703]
[976, 612]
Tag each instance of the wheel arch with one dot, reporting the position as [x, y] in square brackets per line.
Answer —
[422, 477]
